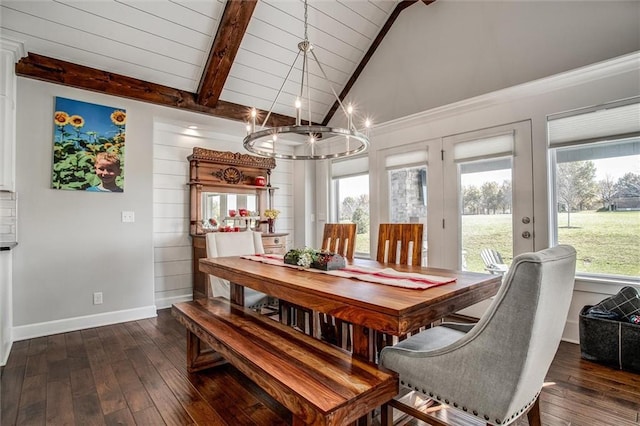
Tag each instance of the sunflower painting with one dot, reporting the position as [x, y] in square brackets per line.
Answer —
[88, 146]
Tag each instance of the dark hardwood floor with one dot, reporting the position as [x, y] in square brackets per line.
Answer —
[134, 373]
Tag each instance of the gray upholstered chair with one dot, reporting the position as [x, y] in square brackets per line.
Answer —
[221, 244]
[494, 370]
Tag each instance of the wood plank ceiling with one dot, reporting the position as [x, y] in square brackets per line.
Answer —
[208, 56]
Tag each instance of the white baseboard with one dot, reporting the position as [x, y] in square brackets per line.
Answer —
[7, 350]
[166, 302]
[571, 333]
[79, 323]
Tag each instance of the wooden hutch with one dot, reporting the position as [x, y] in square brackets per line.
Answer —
[219, 180]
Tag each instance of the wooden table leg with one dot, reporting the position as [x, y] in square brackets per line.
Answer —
[363, 348]
[236, 294]
[362, 342]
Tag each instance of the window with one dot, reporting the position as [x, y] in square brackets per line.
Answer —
[485, 211]
[350, 180]
[407, 188]
[595, 166]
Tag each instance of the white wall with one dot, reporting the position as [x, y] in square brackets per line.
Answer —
[173, 274]
[453, 50]
[10, 51]
[458, 66]
[596, 84]
[73, 243]
[6, 258]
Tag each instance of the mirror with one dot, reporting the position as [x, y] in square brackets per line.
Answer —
[218, 209]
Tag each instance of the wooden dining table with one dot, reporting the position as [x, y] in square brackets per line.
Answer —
[368, 306]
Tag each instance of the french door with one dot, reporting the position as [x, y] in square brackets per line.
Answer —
[487, 198]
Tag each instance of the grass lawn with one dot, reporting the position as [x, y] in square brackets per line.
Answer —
[606, 242]
[362, 243]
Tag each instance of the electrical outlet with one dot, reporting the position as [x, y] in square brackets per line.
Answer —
[97, 298]
[128, 216]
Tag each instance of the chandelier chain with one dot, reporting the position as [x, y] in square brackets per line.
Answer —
[306, 17]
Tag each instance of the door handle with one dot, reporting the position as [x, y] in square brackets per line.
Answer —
[526, 220]
[526, 234]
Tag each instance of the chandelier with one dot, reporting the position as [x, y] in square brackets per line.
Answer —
[306, 141]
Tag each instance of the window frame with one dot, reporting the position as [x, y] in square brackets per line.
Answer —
[361, 169]
[552, 150]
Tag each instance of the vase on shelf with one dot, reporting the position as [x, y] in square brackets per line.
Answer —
[271, 223]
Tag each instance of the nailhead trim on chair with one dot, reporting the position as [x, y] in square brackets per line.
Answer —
[475, 412]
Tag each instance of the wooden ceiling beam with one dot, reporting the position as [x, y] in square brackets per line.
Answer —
[69, 74]
[367, 56]
[233, 25]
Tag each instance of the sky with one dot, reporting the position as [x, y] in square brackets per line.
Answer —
[97, 118]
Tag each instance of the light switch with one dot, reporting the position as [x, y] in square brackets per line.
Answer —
[128, 216]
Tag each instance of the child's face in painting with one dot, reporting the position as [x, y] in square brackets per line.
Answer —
[107, 171]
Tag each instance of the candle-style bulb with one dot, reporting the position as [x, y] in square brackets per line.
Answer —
[254, 114]
[298, 108]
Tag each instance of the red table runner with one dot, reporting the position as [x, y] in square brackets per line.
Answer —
[387, 276]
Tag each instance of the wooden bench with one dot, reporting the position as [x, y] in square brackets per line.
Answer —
[319, 383]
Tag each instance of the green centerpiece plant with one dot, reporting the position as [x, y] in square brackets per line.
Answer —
[311, 258]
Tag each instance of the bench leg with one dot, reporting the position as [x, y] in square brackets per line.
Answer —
[200, 357]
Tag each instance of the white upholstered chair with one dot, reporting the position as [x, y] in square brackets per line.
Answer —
[221, 244]
[495, 369]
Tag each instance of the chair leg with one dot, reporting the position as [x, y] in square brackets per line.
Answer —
[386, 415]
[533, 415]
[328, 329]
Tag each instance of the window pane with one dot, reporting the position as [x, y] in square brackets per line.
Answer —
[597, 191]
[408, 199]
[352, 201]
[486, 224]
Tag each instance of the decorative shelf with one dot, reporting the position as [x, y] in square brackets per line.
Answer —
[240, 218]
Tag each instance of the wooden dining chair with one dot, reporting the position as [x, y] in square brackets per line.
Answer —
[340, 238]
[400, 244]
[337, 238]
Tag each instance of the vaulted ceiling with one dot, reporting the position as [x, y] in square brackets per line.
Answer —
[211, 56]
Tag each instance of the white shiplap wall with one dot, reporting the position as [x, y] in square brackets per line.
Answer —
[172, 244]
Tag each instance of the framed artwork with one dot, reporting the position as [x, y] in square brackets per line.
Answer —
[88, 146]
